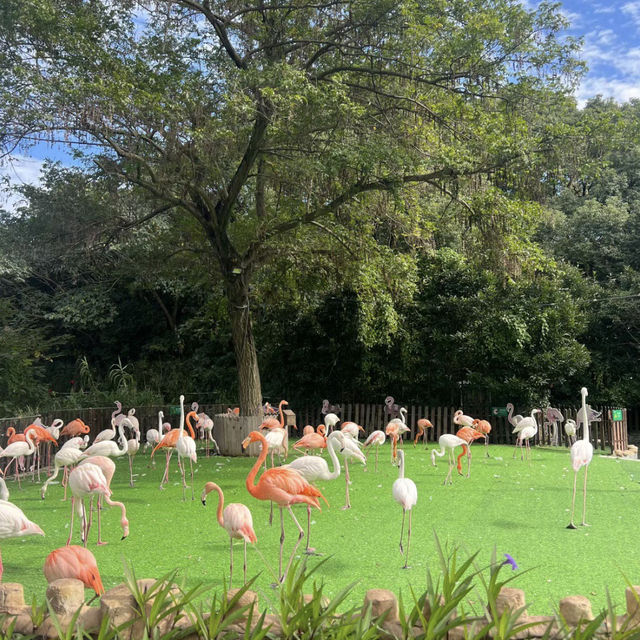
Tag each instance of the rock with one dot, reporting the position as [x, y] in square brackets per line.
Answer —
[392, 631]
[510, 599]
[245, 601]
[381, 601]
[575, 609]
[632, 596]
[22, 622]
[65, 595]
[90, 619]
[11, 597]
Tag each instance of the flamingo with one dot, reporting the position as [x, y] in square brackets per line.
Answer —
[13, 436]
[376, 438]
[133, 446]
[108, 447]
[54, 432]
[75, 562]
[236, 520]
[283, 486]
[311, 440]
[26, 448]
[423, 425]
[108, 468]
[78, 442]
[314, 468]
[448, 442]
[75, 428]
[405, 493]
[462, 420]
[350, 448]
[65, 458]
[526, 429]
[153, 436]
[513, 420]
[186, 448]
[484, 427]
[581, 456]
[116, 419]
[352, 429]
[87, 480]
[168, 441]
[570, 430]
[469, 434]
[330, 421]
[13, 522]
[392, 431]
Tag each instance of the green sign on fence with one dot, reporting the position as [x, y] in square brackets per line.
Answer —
[174, 410]
[616, 415]
[499, 412]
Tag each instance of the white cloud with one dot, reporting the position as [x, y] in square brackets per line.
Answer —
[633, 9]
[17, 170]
[620, 90]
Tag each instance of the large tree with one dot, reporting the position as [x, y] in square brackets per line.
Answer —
[262, 118]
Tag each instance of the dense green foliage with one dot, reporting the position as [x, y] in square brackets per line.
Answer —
[363, 198]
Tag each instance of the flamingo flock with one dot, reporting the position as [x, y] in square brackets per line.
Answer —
[87, 471]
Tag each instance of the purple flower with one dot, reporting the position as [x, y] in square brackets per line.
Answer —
[511, 561]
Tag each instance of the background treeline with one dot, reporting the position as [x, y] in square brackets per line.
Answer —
[523, 305]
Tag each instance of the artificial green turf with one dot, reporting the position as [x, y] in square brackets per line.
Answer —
[520, 508]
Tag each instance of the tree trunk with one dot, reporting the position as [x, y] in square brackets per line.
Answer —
[249, 388]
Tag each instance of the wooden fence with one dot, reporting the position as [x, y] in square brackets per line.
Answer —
[603, 434]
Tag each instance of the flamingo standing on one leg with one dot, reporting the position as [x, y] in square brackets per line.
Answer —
[330, 421]
[377, 439]
[133, 446]
[76, 562]
[13, 522]
[405, 493]
[186, 448]
[75, 428]
[581, 456]
[283, 486]
[236, 520]
[314, 468]
[423, 425]
[448, 442]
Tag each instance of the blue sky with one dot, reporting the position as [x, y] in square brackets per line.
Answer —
[611, 33]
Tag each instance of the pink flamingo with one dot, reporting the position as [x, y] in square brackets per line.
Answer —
[26, 448]
[75, 428]
[469, 434]
[423, 425]
[14, 524]
[484, 427]
[312, 440]
[284, 487]
[352, 429]
[108, 468]
[73, 562]
[405, 493]
[236, 520]
[376, 438]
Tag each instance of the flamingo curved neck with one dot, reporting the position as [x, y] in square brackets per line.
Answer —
[280, 410]
[334, 459]
[220, 506]
[251, 487]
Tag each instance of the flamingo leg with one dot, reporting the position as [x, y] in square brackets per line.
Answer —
[184, 480]
[191, 468]
[469, 462]
[346, 477]
[451, 463]
[486, 446]
[244, 567]
[295, 547]
[271, 514]
[71, 524]
[231, 562]
[101, 542]
[584, 497]
[280, 576]
[18, 473]
[309, 550]
[515, 450]
[402, 530]
[85, 531]
[406, 558]
[130, 471]
[573, 501]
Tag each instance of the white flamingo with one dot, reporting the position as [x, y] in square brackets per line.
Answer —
[526, 429]
[349, 449]
[461, 419]
[186, 448]
[376, 438]
[405, 493]
[65, 458]
[133, 446]
[109, 448]
[78, 442]
[110, 434]
[448, 442]
[314, 468]
[570, 430]
[24, 448]
[513, 420]
[330, 421]
[581, 456]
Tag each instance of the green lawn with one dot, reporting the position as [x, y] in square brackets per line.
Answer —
[522, 509]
